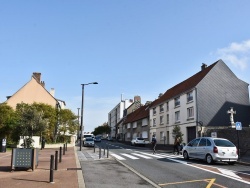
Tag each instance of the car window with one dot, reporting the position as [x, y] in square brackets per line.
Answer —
[223, 143]
[202, 142]
[194, 142]
[209, 143]
[140, 139]
[89, 139]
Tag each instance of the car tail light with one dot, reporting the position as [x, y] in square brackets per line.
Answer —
[215, 150]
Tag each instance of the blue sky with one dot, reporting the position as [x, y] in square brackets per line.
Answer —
[130, 47]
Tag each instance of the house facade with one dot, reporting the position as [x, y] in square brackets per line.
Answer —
[34, 91]
[200, 102]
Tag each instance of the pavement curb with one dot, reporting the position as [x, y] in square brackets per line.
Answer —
[81, 183]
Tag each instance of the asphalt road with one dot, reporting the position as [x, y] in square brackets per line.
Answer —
[168, 170]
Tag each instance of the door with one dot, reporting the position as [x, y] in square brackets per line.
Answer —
[191, 133]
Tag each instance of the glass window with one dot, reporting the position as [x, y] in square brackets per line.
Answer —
[154, 122]
[190, 96]
[202, 142]
[167, 106]
[161, 120]
[177, 116]
[167, 118]
[209, 143]
[177, 101]
[194, 143]
[223, 143]
[190, 112]
[161, 108]
[154, 111]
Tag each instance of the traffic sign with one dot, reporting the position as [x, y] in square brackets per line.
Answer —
[238, 126]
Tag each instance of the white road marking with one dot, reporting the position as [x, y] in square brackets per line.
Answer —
[145, 157]
[117, 156]
[129, 156]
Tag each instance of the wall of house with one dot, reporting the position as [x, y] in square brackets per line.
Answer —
[30, 93]
[217, 93]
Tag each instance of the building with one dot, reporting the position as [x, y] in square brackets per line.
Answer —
[34, 91]
[136, 124]
[200, 102]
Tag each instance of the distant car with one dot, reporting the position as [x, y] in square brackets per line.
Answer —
[89, 141]
[98, 139]
[110, 138]
[138, 141]
[211, 150]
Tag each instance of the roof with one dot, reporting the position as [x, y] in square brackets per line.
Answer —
[140, 113]
[184, 86]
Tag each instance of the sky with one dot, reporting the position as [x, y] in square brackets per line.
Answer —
[130, 47]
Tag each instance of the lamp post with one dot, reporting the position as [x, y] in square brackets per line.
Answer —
[82, 111]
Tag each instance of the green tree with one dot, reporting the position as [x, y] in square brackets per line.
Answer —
[104, 128]
[177, 133]
[68, 122]
[7, 120]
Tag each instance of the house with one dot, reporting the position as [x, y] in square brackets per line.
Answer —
[200, 102]
[34, 91]
[136, 124]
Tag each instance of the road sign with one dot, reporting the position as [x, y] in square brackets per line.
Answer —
[238, 126]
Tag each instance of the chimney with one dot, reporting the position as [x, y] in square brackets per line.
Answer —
[203, 66]
[43, 83]
[137, 98]
[37, 75]
[160, 95]
[52, 92]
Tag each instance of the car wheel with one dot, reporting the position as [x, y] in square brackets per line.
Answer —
[185, 155]
[231, 163]
[209, 159]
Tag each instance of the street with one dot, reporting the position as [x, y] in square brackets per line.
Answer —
[168, 170]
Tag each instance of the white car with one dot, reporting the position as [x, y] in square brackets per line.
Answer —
[138, 141]
[211, 149]
[89, 141]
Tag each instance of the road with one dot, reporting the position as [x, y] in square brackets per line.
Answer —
[168, 170]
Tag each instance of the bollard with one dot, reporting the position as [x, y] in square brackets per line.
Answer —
[51, 176]
[94, 148]
[56, 160]
[63, 149]
[104, 151]
[60, 155]
[107, 152]
[99, 152]
[66, 146]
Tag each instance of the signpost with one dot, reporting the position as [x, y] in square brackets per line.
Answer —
[238, 128]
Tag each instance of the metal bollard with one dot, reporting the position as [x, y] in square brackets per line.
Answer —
[60, 155]
[51, 175]
[104, 151]
[94, 148]
[66, 146]
[107, 152]
[63, 149]
[56, 160]
[99, 152]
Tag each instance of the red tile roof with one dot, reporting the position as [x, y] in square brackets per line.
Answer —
[140, 113]
[183, 86]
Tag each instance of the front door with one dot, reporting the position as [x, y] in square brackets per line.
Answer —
[191, 133]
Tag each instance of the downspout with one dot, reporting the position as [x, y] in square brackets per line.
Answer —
[197, 111]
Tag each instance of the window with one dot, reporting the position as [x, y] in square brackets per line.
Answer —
[203, 142]
[134, 124]
[128, 135]
[177, 101]
[154, 111]
[190, 112]
[167, 118]
[144, 122]
[162, 135]
[161, 120]
[128, 125]
[167, 106]
[177, 116]
[190, 96]
[161, 108]
[154, 122]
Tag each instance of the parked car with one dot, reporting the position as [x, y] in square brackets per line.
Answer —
[211, 150]
[98, 139]
[89, 141]
[138, 141]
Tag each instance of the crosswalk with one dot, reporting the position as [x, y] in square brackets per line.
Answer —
[143, 155]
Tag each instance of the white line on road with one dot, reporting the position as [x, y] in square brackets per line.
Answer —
[129, 156]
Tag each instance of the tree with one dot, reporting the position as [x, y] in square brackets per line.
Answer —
[30, 122]
[104, 128]
[68, 122]
[177, 133]
[7, 120]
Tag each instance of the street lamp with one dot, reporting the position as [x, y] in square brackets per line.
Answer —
[78, 133]
[82, 111]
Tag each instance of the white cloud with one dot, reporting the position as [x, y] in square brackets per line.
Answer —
[238, 54]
